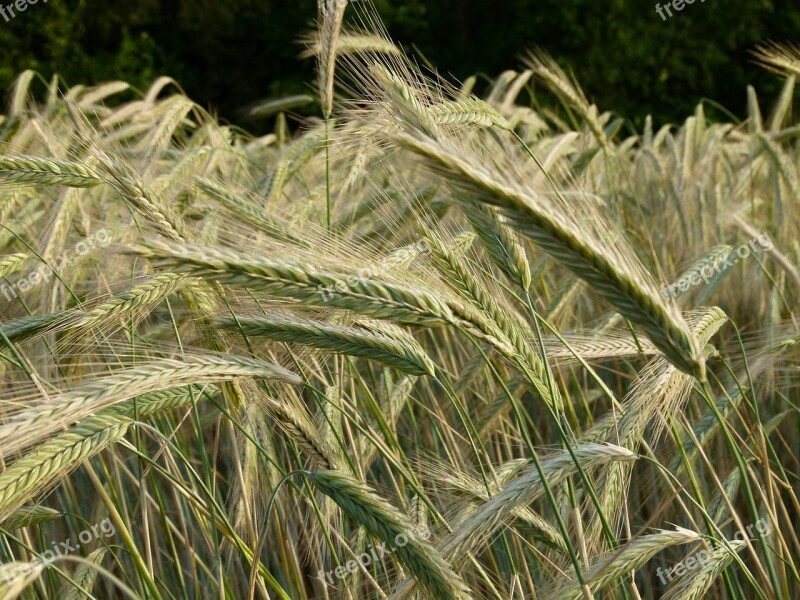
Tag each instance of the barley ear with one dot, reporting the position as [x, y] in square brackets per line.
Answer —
[84, 577]
[696, 585]
[387, 523]
[628, 558]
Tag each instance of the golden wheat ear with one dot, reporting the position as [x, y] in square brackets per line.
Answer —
[627, 289]
[779, 58]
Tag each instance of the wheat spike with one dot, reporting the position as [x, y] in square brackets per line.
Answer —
[390, 346]
[370, 297]
[385, 522]
[695, 585]
[11, 264]
[628, 558]
[84, 577]
[635, 298]
[331, 16]
[46, 171]
[33, 424]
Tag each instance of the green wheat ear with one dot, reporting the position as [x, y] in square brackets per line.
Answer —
[46, 171]
[84, 577]
[625, 560]
[26, 516]
[696, 584]
[385, 522]
[376, 341]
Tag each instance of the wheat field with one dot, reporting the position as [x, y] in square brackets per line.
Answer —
[424, 345]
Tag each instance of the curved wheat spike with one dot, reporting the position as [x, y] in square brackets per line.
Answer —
[247, 211]
[474, 494]
[659, 390]
[626, 289]
[58, 456]
[31, 425]
[386, 523]
[350, 42]
[628, 558]
[779, 58]
[27, 475]
[11, 264]
[711, 262]
[695, 585]
[526, 488]
[612, 345]
[499, 327]
[374, 298]
[97, 94]
[130, 185]
[391, 346]
[500, 242]
[22, 87]
[147, 294]
[467, 111]
[175, 110]
[548, 71]
[27, 327]
[27, 516]
[523, 490]
[16, 576]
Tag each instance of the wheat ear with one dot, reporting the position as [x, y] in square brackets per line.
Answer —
[636, 299]
[331, 16]
[46, 171]
[16, 576]
[696, 585]
[628, 558]
[370, 297]
[36, 423]
[11, 264]
[391, 346]
[500, 242]
[84, 577]
[247, 211]
[524, 490]
[27, 516]
[385, 522]
[57, 456]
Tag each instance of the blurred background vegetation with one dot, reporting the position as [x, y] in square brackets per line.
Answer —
[226, 55]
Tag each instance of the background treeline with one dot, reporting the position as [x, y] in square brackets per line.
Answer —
[229, 54]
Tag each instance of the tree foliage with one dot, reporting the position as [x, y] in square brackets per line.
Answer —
[229, 54]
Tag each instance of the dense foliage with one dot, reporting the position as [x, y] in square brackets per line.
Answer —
[228, 54]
